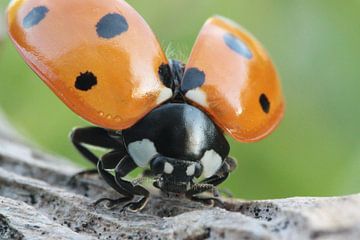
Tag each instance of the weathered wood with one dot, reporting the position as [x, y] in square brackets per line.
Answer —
[36, 202]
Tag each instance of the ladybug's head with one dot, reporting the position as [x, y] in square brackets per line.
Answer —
[175, 175]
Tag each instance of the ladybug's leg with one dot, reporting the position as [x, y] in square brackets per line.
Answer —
[121, 171]
[94, 136]
[127, 166]
[97, 137]
[124, 187]
[209, 184]
[221, 175]
[200, 188]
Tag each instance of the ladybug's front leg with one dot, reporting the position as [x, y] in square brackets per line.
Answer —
[200, 188]
[110, 179]
[221, 175]
[209, 184]
[124, 187]
[132, 188]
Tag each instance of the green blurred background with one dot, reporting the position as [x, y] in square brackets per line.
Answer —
[315, 45]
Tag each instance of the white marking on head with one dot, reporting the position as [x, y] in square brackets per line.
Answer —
[211, 162]
[165, 94]
[197, 95]
[190, 171]
[142, 152]
[168, 168]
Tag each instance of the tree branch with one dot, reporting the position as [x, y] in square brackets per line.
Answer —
[36, 202]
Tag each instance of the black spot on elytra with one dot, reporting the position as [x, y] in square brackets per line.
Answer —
[237, 45]
[111, 25]
[264, 102]
[165, 75]
[35, 16]
[85, 81]
[193, 78]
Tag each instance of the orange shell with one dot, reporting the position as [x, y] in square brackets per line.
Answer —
[106, 71]
[241, 89]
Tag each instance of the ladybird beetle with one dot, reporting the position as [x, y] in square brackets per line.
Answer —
[104, 62]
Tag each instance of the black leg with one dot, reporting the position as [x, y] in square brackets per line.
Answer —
[110, 179]
[97, 137]
[209, 184]
[200, 188]
[124, 187]
[141, 203]
[121, 170]
[215, 180]
[221, 175]
[111, 159]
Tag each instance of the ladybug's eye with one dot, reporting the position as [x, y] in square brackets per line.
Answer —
[198, 170]
[157, 165]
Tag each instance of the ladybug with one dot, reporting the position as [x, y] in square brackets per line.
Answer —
[104, 62]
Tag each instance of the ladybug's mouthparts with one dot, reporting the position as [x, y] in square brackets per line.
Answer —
[169, 185]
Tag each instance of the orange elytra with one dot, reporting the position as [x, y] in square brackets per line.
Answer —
[104, 62]
[241, 89]
[107, 74]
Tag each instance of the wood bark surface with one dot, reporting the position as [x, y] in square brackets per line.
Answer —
[37, 202]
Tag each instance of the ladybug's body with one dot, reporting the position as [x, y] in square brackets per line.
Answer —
[178, 141]
[183, 138]
[103, 61]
